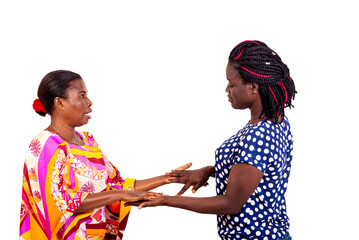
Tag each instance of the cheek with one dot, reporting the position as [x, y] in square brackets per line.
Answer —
[241, 99]
[238, 94]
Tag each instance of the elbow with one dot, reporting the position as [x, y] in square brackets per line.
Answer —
[233, 210]
[232, 207]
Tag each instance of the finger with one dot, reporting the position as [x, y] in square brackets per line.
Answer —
[175, 180]
[197, 186]
[136, 203]
[184, 167]
[153, 193]
[142, 205]
[176, 174]
[145, 204]
[151, 196]
[184, 189]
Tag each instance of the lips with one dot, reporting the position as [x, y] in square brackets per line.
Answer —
[229, 99]
[88, 114]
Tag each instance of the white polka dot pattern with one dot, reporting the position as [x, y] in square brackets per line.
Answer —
[268, 147]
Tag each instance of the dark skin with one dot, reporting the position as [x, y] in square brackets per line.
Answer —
[243, 178]
[73, 112]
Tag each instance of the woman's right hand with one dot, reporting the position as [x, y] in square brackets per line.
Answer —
[196, 178]
[134, 196]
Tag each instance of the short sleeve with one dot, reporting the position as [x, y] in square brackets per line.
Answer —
[255, 148]
[115, 180]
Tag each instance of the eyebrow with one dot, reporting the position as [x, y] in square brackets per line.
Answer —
[82, 92]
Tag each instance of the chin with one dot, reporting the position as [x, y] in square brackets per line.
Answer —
[235, 106]
[83, 123]
[238, 107]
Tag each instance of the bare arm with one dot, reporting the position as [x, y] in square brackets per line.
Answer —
[151, 183]
[97, 200]
[242, 182]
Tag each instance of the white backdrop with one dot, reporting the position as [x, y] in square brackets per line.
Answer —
[155, 71]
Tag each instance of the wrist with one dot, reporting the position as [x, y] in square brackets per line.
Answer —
[210, 170]
[165, 179]
[166, 200]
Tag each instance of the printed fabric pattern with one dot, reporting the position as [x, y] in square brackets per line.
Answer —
[268, 147]
[57, 177]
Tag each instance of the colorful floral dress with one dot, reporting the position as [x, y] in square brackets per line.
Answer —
[57, 178]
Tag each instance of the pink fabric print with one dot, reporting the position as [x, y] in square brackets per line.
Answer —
[37, 196]
[35, 147]
[74, 204]
[88, 187]
[32, 175]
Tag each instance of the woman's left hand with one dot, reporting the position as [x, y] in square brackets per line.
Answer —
[173, 179]
[158, 201]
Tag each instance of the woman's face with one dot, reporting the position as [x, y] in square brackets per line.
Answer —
[240, 93]
[77, 106]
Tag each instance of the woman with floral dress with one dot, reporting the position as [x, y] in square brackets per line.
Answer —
[70, 189]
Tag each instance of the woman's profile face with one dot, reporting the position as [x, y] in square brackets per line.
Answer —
[77, 106]
[240, 93]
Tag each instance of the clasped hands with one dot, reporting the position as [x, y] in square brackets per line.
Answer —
[195, 178]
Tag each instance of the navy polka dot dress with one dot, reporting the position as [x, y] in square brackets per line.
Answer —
[268, 147]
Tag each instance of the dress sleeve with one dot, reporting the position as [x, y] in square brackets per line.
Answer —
[115, 180]
[255, 149]
[118, 210]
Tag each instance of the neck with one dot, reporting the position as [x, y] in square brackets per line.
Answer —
[256, 119]
[256, 110]
[66, 132]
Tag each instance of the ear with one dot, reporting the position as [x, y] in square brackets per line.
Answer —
[59, 103]
[254, 88]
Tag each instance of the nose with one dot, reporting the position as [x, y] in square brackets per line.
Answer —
[89, 103]
[227, 88]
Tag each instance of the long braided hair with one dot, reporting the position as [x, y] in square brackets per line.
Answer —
[257, 63]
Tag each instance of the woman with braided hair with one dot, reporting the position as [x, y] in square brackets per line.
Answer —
[252, 167]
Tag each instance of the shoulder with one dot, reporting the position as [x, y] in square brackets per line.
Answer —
[88, 137]
[44, 143]
[262, 133]
[46, 138]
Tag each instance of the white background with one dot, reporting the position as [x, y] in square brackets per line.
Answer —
[155, 71]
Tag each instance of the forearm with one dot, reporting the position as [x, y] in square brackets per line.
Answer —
[210, 205]
[151, 183]
[97, 200]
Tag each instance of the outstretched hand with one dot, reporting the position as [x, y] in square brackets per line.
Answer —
[140, 202]
[134, 196]
[179, 169]
[158, 201]
[196, 178]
